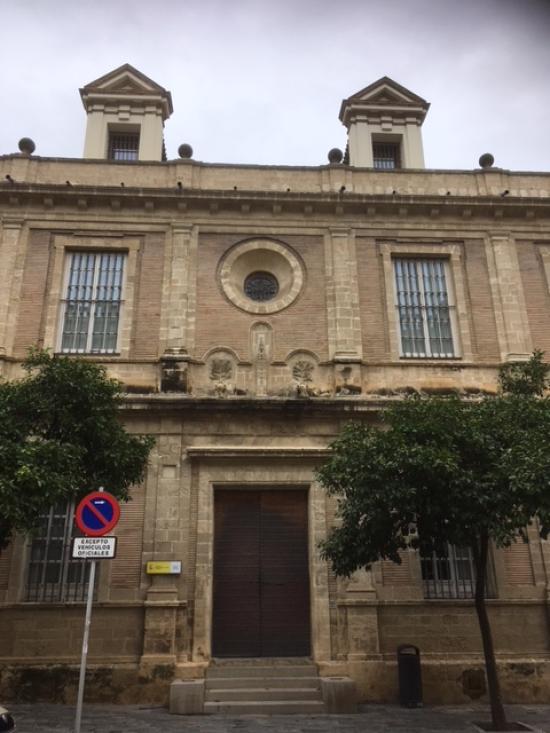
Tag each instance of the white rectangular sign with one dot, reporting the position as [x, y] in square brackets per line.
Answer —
[94, 548]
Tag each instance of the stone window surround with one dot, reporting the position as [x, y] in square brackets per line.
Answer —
[245, 258]
[65, 244]
[453, 253]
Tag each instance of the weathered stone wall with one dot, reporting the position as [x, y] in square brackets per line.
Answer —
[40, 633]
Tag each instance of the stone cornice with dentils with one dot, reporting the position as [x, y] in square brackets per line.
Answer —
[216, 201]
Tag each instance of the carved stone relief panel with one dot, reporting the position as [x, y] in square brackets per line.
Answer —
[305, 375]
[221, 367]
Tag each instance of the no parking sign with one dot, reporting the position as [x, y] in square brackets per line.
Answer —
[97, 514]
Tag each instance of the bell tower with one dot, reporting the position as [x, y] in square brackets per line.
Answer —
[383, 122]
[126, 113]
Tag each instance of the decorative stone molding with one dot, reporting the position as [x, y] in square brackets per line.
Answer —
[262, 256]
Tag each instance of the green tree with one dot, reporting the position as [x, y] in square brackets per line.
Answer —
[61, 437]
[465, 472]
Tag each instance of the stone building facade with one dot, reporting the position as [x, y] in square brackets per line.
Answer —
[251, 311]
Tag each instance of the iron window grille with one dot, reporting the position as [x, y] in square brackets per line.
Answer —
[386, 156]
[124, 146]
[424, 308]
[53, 576]
[92, 307]
[450, 573]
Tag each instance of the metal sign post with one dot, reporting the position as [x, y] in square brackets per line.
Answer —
[82, 678]
[96, 514]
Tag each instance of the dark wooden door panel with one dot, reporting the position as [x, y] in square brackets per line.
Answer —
[236, 613]
[261, 576]
[284, 589]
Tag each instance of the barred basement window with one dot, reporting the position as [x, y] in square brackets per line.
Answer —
[124, 146]
[448, 573]
[386, 156]
[53, 576]
[424, 308]
[92, 307]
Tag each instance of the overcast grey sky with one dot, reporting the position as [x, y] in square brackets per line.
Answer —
[261, 81]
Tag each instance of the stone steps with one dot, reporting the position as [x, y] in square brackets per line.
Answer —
[281, 707]
[257, 688]
[270, 682]
[259, 694]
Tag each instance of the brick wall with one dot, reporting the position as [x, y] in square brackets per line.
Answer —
[146, 326]
[303, 325]
[537, 298]
[33, 292]
[372, 300]
[482, 315]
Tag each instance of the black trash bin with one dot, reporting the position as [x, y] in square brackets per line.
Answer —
[410, 677]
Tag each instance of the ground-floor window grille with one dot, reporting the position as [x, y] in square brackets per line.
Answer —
[53, 576]
[448, 573]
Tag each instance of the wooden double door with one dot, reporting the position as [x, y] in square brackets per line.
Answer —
[261, 576]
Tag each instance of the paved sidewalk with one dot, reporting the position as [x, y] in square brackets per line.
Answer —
[41, 718]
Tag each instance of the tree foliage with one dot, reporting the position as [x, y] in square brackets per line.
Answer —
[61, 437]
[464, 472]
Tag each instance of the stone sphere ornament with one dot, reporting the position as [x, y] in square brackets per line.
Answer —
[335, 155]
[185, 151]
[26, 146]
[486, 160]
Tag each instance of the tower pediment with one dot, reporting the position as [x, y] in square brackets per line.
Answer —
[126, 83]
[384, 96]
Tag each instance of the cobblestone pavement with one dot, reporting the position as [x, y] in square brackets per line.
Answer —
[42, 718]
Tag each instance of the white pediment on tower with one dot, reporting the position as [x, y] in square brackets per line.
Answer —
[386, 97]
[126, 83]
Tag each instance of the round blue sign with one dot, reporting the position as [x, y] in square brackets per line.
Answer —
[97, 513]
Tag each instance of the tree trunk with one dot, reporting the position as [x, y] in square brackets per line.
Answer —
[481, 553]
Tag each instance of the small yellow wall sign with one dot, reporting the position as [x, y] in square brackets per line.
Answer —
[164, 567]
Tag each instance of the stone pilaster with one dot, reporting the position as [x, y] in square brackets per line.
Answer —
[178, 322]
[159, 632]
[343, 296]
[9, 243]
[508, 298]
[164, 540]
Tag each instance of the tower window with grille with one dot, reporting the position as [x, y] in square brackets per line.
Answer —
[425, 311]
[93, 302]
[386, 155]
[53, 575]
[123, 145]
